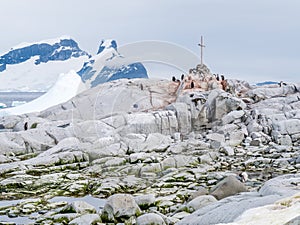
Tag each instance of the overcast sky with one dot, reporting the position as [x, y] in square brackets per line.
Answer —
[255, 40]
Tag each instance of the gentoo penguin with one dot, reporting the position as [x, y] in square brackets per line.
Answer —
[26, 126]
[223, 83]
[243, 177]
[218, 78]
[192, 84]
[173, 79]
[281, 83]
[182, 76]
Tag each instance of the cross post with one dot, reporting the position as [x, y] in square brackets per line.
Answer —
[201, 49]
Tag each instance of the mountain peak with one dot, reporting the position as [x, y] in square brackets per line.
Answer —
[109, 65]
[107, 44]
[59, 49]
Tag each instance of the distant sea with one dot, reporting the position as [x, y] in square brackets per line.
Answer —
[9, 97]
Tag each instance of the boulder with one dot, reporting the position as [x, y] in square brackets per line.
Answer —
[78, 207]
[145, 201]
[229, 151]
[284, 211]
[157, 142]
[183, 117]
[291, 126]
[227, 209]
[284, 185]
[232, 116]
[150, 219]
[86, 219]
[227, 187]
[200, 202]
[119, 206]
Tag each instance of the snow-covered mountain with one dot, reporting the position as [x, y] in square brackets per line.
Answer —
[109, 65]
[36, 66]
[30, 66]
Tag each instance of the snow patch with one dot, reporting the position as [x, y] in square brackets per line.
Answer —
[36, 77]
[66, 87]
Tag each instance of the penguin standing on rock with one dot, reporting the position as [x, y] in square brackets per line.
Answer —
[243, 177]
[223, 83]
[173, 79]
[281, 83]
[26, 126]
[192, 84]
[182, 76]
[217, 77]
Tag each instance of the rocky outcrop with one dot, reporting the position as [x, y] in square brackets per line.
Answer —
[162, 154]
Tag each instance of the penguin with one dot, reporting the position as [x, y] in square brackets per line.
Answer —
[173, 79]
[224, 84]
[243, 177]
[222, 77]
[217, 77]
[192, 84]
[26, 126]
[281, 83]
[182, 76]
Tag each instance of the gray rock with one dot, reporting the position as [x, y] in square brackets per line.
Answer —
[216, 137]
[87, 219]
[119, 205]
[227, 150]
[4, 159]
[200, 191]
[232, 116]
[183, 117]
[200, 202]
[256, 142]
[285, 140]
[80, 207]
[294, 221]
[236, 137]
[227, 187]
[145, 201]
[285, 185]
[150, 219]
[291, 126]
[227, 209]
[262, 93]
[169, 162]
[115, 97]
[157, 142]
[32, 122]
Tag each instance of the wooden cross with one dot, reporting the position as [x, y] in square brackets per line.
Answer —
[201, 47]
